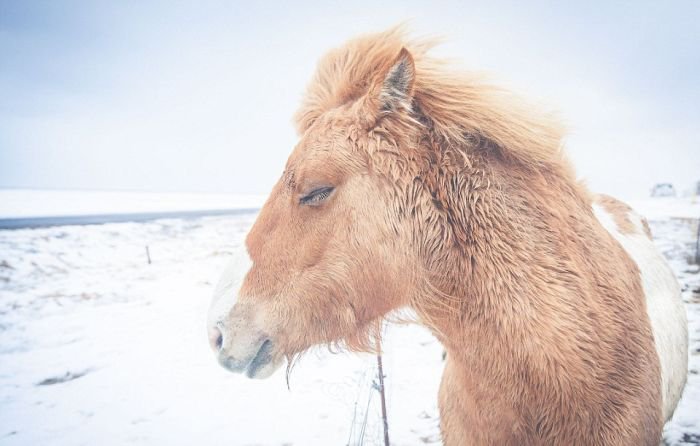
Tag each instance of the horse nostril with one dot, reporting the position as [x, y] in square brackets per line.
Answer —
[216, 338]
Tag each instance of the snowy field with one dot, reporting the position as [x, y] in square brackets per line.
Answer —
[98, 347]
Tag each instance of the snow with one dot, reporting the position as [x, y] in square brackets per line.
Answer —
[83, 300]
[99, 347]
[668, 207]
[676, 238]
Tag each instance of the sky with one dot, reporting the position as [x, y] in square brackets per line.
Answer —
[198, 96]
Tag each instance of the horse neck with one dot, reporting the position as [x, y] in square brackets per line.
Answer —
[503, 235]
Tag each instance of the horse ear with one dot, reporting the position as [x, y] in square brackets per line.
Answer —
[396, 92]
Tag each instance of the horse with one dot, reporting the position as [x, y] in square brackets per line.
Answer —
[417, 186]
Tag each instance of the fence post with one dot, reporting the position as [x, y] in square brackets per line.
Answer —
[697, 245]
[381, 393]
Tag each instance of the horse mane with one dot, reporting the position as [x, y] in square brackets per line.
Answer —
[460, 106]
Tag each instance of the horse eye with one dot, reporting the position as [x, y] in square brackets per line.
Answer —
[316, 196]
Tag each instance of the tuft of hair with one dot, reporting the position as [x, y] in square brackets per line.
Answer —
[459, 106]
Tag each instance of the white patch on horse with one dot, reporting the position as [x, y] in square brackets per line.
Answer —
[664, 307]
[226, 291]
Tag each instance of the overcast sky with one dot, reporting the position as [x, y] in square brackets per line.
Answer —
[198, 96]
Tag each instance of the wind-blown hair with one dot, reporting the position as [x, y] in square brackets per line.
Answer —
[460, 106]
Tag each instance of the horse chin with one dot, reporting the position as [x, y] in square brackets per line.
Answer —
[265, 369]
[262, 364]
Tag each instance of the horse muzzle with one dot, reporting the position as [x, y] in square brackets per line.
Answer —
[237, 328]
[250, 355]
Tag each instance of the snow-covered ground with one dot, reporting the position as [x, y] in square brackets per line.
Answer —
[99, 347]
[668, 207]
